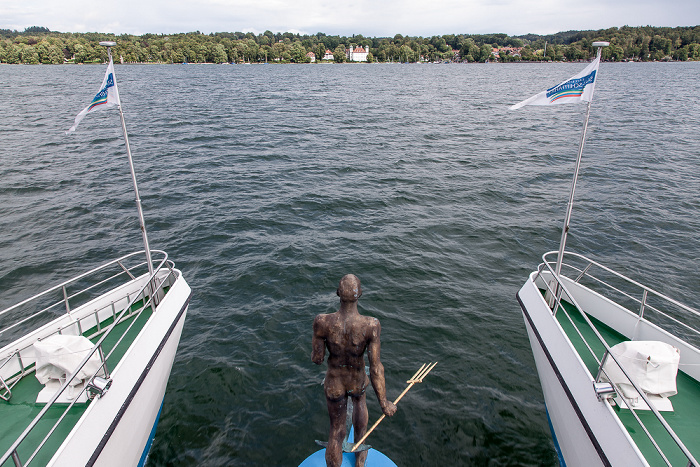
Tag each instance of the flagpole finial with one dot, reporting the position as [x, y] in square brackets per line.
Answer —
[109, 45]
[600, 45]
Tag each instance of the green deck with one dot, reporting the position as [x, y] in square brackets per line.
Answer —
[21, 409]
[684, 419]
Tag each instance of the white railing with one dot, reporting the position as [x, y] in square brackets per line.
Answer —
[681, 323]
[63, 301]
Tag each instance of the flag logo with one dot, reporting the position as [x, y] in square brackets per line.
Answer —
[571, 88]
[101, 97]
[108, 96]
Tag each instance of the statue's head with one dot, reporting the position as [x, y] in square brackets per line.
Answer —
[349, 289]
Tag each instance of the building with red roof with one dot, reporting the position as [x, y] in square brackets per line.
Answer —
[358, 54]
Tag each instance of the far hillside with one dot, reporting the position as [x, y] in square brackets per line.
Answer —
[37, 45]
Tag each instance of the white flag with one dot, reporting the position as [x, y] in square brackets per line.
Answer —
[578, 88]
[106, 98]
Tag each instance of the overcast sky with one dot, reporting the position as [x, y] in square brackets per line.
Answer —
[371, 18]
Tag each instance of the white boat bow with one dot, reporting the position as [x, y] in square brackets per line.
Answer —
[572, 324]
[109, 417]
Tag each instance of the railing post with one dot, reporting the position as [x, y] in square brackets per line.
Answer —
[5, 391]
[644, 302]
[104, 362]
[641, 315]
[15, 459]
[600, 368]
[19, 359]
[65, 299]
[551, 294]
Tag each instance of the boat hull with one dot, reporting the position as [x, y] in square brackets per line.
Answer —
[117, 428]
[586, 430]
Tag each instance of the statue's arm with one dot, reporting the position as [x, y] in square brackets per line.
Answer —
[376, 369]
[318, 343]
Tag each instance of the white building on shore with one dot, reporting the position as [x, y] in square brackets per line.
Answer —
[358, 54]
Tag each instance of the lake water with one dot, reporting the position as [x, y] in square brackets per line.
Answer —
[266, 184]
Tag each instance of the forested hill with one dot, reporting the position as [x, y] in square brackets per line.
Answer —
[40, 45]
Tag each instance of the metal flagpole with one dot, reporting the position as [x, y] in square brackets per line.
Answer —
[109, 45]
[570, 206]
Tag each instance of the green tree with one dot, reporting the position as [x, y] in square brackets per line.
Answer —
[552, 52]
[154, 54]
[614, 53]
[30, 55]
[644, 49]
[278, 48]
[55, 55]
[252, 50]
[298, 53]
[200, 52]
[468, 50]
[82, 53]
[406, 54]
[219, 54]
[137, 54]
[265, 51]
[177, 56]
[12, 54]
[572, 52]
[681, 54]
[660, 46]
[484, 53]
[339, 54]
[527, 54]
[42, 50]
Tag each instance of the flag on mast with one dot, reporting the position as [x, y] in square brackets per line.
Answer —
[578, 88]
[107, 97]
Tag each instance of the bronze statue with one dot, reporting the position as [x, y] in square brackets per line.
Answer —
[346, 334]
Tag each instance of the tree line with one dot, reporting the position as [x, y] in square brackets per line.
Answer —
[37, 45]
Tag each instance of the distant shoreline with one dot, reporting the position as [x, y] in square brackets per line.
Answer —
[343, 63]
[644, 43]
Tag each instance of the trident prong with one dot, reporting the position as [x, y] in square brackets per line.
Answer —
[421, 373]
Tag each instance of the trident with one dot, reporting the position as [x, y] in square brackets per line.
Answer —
[417, 378]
